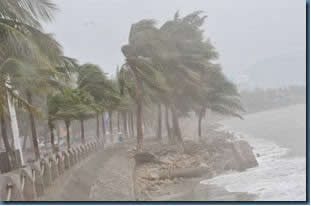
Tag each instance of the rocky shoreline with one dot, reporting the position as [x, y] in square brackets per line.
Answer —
[162, 172]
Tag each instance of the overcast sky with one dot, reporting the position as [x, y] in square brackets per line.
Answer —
[243, 31]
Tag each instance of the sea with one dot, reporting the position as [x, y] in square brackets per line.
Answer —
[278, 138]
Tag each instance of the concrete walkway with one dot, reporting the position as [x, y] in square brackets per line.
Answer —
[104, 176]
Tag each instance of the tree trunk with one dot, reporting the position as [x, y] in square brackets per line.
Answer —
[25, 138]
[125, 131]
[82, 131]
[110, 125]
[6, 143]
[201, 114]
[97, 126]
[144, 124]
[58, 134]
[33, 128]
[167, 122]
[25, 141]
[52, 137]
[132, 124]
[67, 123]
[139, 125]
[103, 127]
[118, 121]
[129, 124]
[139, 110]
[176, 127]
[159, 131]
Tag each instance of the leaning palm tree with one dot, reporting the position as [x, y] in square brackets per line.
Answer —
[68, 105]
[64, 103]
[136, 81]
[22, 41]
[6, 92]
[142, 68]
[28, 78]
[223, 96]
[93, 80]
[182, 62]
[28, 11]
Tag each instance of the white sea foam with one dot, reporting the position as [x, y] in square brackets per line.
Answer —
[277, 178]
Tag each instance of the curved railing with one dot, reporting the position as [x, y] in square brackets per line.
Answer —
[30, 182]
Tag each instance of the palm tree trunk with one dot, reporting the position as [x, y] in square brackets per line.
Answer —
[33, 128]
[125, 131]
[139, 125]
[25, 141]
[199, 126]
[144, 124]
[67, 123]
[4, 134]
[176, 127]
[110, 125]
[132, 124]
[97, 126]
[118, 121]
[167, 122]
[25, 138]
[58, 134]
[201, 114]
[103, 127]
[159, 131]
[129, 124]
[52, 137]
[82, 131]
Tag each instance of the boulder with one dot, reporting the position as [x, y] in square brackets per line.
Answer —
[145, 157]
[245, 155]
[236, 155]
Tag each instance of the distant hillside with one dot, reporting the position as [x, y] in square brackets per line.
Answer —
[263, 99]
[275, 72]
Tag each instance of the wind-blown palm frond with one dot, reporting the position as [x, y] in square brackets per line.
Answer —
[28, 11]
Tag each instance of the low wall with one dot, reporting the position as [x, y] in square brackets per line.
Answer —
[31, 181]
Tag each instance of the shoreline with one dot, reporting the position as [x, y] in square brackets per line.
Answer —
[280, 160]
[208, 158]
[273, 159]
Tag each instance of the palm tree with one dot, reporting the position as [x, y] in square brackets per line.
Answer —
[182, 63]
[23, 41]
[92, 79]
[140, 71]
[28, 11]
[69, 105]
[6, 92]
[65, 70]
[223, 96]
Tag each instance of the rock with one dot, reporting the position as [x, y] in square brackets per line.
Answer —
[145, 157]
[236, 155]
[167, 159]
[154, 176]
[184, 173]
[245, 155]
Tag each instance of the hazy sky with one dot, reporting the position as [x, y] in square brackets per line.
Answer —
[243, 31]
